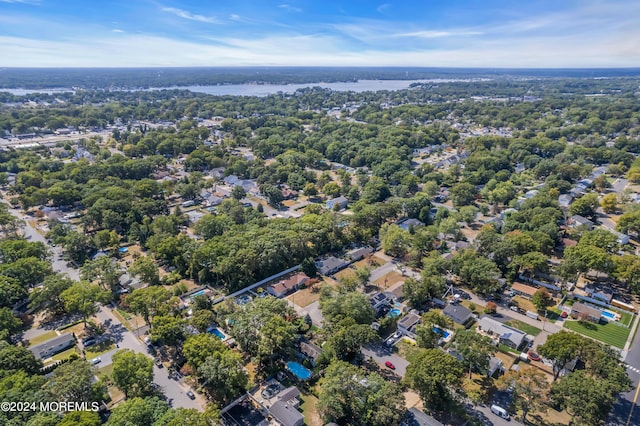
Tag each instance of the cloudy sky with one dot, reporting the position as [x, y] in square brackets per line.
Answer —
[430, 33]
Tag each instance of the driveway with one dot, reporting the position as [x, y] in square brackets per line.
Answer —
[172, 389]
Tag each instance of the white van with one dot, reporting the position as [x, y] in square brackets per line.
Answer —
[500, 412]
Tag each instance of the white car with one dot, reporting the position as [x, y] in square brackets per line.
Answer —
[95, 361]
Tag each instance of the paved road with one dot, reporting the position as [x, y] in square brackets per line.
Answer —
[381, 354]
[174, 390]
[32, 234]
[619, 185]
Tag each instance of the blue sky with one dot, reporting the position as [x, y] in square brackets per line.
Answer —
[429, 33]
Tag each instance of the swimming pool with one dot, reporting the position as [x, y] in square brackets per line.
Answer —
[443, 333]
[394, 313]
[198, 293]
[298, 370]
[219, 334]
[609, 315]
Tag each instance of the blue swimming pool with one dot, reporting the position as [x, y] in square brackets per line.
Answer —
[608, 314]
[394, 313]
[443, 333]
[298, 370]
[219, 334]
[198, 293]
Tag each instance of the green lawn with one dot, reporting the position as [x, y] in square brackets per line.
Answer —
[611, 334]
[507, 349]
[97, 350]
[42, 338]
[527, 328]
[627, 317]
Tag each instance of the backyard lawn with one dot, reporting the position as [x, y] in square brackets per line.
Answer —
[97, 350]
[611, 334]
[42, 338]
[527, 328]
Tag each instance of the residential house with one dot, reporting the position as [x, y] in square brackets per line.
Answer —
[458, 313]
[289, 194]
[416, 417]
[291, 396]
[523, 290]
[309, 351]
[286, 286]
[581, 310]
[342, 202]
[599, 294]
[495, 366]
[379, 301]
[565, 200]
[52, 346]
[409, 223]
[359, 253]
[331, 265]
[621, 238]
[507, 335]
[577, 220]
[407, 324]
[285, 414]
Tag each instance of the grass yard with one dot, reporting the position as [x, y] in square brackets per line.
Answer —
[42, 338]
[310, 410]
[388, 280]
[97, 350]
[370, 261]
[524, 303]
[527, 328]
[306, 296]
[63, 355]
[345, 273]
[610, 334]
[627, 317]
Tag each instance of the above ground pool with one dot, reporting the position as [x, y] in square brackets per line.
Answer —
[298, 370]
[198, 293]
[394, 313]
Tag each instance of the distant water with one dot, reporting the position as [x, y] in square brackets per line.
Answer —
[270, 89]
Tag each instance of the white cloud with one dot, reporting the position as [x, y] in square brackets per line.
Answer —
[234, 17]
[191, 16]
[438, 34]
[117, 30]
[289, 8]
[383, 7]
[31, 2]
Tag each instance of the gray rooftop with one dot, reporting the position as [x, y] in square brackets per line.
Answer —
[286, 415]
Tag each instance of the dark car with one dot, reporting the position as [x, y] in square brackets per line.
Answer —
[191, 395]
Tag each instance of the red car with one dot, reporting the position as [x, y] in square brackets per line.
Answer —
[564, 314]
[533, 356]
[390, 365]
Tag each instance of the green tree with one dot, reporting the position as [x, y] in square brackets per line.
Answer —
[11, 291]
[331, 190]
[346, 340]
[104, 270]
[585, 206]
[9, 324]
[224, 375]
[238, 192]
[310, 190]
[145, 268]
[463, 194]
[48, 297]
[138, 412]
[209, 225]
[529, 389]
[308, 266]
[14, 358]
[630, 221]
[132, 373]
[149, 302]
[475, 350]
[427, 336]
[542, 300]
[167, 329]
[84, 418]
[349, 396]
[435, 375]
[627, 269]
[395, 240]
[609, 203]
[561, 348]
[190, 417]
[83, 298]
[202, 319]
[29, 271]
[73, 382]
[354, 305]
[198, 347]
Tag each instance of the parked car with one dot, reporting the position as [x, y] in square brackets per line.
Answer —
[500, 412]
[390, 365]
[533, 356]
[191, 395]
[564, 314]
[95, 361]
